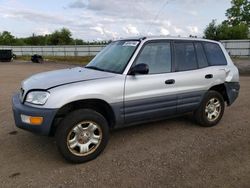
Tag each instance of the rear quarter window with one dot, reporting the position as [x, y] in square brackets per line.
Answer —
[214, 53]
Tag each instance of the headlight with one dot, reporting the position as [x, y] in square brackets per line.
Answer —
[37, 97]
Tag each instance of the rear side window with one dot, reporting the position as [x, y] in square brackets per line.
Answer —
[201, 56]
[185, 56]
[214, 54]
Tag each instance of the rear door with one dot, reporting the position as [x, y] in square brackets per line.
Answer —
[193, 76]
[153, 95]
[217, 62]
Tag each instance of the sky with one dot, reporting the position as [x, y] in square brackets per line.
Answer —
[110, 19]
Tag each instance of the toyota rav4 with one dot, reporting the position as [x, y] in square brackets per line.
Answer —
[129, 82]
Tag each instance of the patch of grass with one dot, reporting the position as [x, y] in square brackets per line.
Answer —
[60, 59]
[240, 58]
[22, 58]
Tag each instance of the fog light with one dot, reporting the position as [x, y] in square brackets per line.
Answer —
[32, 120]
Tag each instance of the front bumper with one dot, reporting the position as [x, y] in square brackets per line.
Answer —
[233, 89]
[47, 114]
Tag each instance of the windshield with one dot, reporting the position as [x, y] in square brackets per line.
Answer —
[114, 57]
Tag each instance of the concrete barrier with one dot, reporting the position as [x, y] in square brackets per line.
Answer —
[234, 47]
[239, 48]
[78, 50]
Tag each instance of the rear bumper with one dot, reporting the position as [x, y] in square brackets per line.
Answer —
[47, 114]
[233, 89]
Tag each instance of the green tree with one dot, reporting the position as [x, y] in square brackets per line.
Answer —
[211, 31]
[58, 37]
[53, 39]
[78, 42]
[239, 12]
[235, 27]
[224, 31]
[240, 31]
[65, 35]
[35, 40]
[19, 42]
[61, 37]
[6, 38]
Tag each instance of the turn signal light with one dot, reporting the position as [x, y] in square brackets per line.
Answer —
[32, 120]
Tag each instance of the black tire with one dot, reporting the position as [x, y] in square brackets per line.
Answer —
[66, 128]
[200, 114]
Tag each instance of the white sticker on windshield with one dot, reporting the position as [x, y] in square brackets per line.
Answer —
[130, 43]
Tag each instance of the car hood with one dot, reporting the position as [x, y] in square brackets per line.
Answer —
[51, 79]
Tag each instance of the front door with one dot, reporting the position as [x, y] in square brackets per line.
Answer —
[152, 95]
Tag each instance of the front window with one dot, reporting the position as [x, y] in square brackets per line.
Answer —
[157, 55]
[114, 58]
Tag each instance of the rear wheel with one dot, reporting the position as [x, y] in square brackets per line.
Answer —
[211, 109]
[82, 135]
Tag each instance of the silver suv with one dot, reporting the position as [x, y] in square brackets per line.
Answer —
[129, 82]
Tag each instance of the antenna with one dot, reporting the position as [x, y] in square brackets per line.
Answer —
[157, 15]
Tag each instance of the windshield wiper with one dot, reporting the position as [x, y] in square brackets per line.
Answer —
[94, 68]
[100, 69]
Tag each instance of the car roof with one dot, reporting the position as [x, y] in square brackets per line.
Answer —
[148, 38]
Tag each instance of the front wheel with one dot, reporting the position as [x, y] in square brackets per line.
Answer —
[211, 109]
[82, 135]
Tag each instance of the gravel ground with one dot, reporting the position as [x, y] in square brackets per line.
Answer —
[171, 153]
[243, 65]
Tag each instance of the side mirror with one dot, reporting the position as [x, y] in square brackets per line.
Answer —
[139, 69]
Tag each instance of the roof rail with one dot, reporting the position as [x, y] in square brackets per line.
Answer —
[143, 38]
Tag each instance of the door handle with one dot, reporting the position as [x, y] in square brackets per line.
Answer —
[171, 81]
[209, 76]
